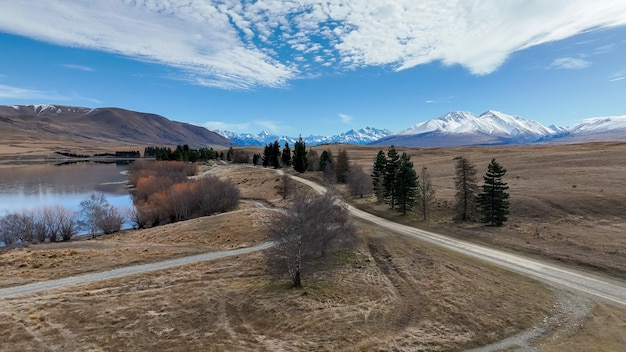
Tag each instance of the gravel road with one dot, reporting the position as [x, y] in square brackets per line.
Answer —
[126, 271]
[608, 289]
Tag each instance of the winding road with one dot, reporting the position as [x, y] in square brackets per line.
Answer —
[561, 277]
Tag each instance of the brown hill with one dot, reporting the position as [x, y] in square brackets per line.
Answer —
[109, 126]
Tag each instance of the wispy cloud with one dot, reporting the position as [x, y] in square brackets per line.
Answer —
[345, 118]
[78, 67]
[570, 63]
[617, 76]
[17, 93]
[605, 49]
[226, 126]
[244, 44]
[271, 126]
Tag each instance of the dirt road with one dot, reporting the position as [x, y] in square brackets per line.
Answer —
[125, 271]
[561, 277]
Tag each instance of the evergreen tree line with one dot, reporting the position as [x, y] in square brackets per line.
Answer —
[274, 157]
[395, 182]
[187, 154]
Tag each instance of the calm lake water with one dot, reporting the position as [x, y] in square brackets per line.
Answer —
[32, 186]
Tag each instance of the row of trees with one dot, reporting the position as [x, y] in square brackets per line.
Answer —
[395, 182]
[273, 157]
[164, 193]
[58, 223]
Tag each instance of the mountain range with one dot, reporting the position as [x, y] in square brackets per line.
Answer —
[362, 136]
[37, 124]
[101, 126]
[460, 128]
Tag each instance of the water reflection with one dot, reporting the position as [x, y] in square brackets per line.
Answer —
[31, 186]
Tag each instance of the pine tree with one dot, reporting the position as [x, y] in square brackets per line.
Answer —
[313, 160]
[405, 185]
[275, 157]
[299, 160]
[378, 176]
[267, 155]
[286, 157]
[326, 159]
[493, 200]
[393, 161]
[466, 189]
[342, 166]
[425, 193]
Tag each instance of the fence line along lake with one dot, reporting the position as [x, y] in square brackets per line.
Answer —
[67, 184]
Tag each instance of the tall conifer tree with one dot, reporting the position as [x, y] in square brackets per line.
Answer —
[378, 175]
[393, 161]
[493, 200]
[405, 185]
[300, 163]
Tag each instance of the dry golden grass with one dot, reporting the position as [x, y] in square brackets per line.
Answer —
[394, 294]
[568, 202]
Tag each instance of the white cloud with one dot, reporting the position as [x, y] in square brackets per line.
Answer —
[570, 63]
[345, 118]
[242, 44]
[78, 67]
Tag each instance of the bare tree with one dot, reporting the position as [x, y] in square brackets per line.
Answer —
[11, 228]
[425, 193]
[306, 234]
[65, 223]
[99, 216]
[286, 185]
[359, 183]
[109, 220]
[466, 186]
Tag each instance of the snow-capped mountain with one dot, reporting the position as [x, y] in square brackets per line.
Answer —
[362, 136]
[599, 125]
[465, 128]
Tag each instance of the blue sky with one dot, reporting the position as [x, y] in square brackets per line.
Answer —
[310, 67]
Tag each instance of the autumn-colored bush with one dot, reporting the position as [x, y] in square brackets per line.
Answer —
[164, 193]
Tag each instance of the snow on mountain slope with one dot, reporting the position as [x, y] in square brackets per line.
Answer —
[599, 125]
[491, 123]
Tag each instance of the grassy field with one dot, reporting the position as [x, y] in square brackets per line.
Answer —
[393, 294]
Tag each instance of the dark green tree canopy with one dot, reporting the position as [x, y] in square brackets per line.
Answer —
[300, 163]
[286, 157]
[378, 175]
[393, 162]
[493, 200]
[405, 186]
